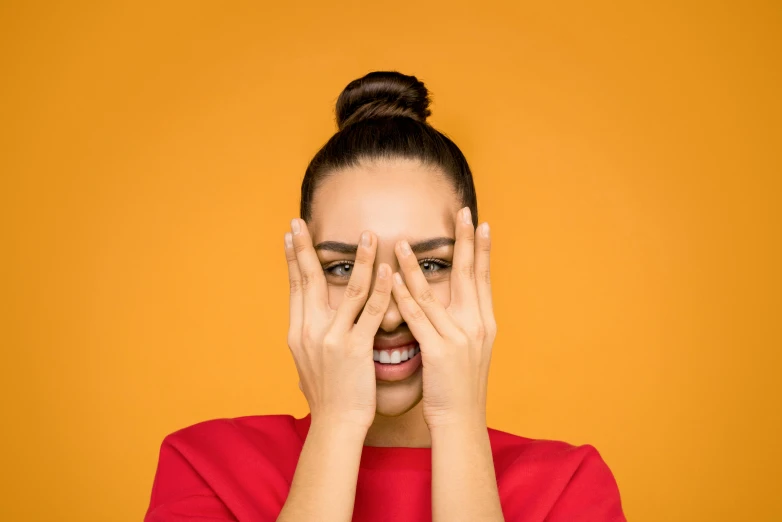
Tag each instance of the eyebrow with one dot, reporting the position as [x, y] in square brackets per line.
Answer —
[418, 247]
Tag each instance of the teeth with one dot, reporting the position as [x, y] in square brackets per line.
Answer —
[395, 356]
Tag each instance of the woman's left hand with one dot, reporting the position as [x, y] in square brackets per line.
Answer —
[456, 341]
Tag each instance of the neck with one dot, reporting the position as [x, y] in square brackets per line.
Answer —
[406, 430]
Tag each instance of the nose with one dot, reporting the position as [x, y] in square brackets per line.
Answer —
[392, 318]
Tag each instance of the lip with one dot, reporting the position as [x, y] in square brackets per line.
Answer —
[397, 372]
[397, 341]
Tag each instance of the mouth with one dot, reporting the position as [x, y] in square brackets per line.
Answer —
[397, 363]
[396, 355]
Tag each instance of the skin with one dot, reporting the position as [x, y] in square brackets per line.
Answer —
[395, 200]
[341, 302]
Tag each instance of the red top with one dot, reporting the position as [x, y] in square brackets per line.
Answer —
[241, 469]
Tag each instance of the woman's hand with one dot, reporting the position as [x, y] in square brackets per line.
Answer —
[333, 352]
[455, 342]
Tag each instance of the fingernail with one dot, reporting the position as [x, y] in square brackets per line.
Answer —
[382, 272]
[397, 278]
[485, 230]
[288, 240]
[405, 248]
[467, 216]
[365, 239]
[295, 226]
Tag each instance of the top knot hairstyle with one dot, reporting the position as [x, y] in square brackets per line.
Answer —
[383, 116]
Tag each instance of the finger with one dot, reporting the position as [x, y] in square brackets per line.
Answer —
[483, 277]
[422, 293]
[313, 282]
[358, 286]
[376, 307]
[416, 319]
[296, 298]
[464, 293]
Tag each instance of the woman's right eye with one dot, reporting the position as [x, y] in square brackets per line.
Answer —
[340, 270]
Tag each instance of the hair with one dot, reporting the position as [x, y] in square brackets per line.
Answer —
[383, 116]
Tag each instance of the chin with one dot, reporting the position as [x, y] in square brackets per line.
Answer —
[395, 399]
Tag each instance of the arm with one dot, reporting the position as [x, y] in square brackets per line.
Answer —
[456, 347]
[324, 484]
[464, 485]
[333, 356]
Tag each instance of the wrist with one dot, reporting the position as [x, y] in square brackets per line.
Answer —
[464, 422]
[340, 430]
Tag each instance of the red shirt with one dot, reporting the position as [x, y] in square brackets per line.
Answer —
[241, 469]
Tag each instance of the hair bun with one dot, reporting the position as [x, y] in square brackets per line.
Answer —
[382, 94]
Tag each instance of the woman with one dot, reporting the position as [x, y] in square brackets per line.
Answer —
[386, 263]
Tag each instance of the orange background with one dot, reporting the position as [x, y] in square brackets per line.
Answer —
[627, 158]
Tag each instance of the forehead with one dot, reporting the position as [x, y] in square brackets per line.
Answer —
[395, 199]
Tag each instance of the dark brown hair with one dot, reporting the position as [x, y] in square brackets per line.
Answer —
[383, 115]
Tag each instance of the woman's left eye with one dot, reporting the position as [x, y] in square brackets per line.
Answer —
[430, 266]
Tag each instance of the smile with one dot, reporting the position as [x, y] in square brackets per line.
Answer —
[396, 355]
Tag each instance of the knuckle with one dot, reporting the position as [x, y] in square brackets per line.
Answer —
[417, 314]
[364, 258]
[298, 248]
[468, 236]
[331, 340]
[295, 285]
[427, 296]
[462, 339]
[354, 290]
[373, 308]
[467, 271]
[306, 280]
[381, 291]
[479, 331]
[485, 276]
[491, 329]
[308, 335]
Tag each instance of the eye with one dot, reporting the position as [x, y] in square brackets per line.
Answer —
[340, 269]
[431, 265]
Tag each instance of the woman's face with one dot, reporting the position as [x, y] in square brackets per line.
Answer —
[396, 199]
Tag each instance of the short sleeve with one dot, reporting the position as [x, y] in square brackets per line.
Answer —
[591, 494]
[179, 493]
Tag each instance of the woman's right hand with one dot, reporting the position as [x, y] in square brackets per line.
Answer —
[333, 351]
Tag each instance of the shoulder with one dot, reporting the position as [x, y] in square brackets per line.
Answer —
[564, 479]
[270, 441]
[252, 428]
[513, 449]
[213, 465]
